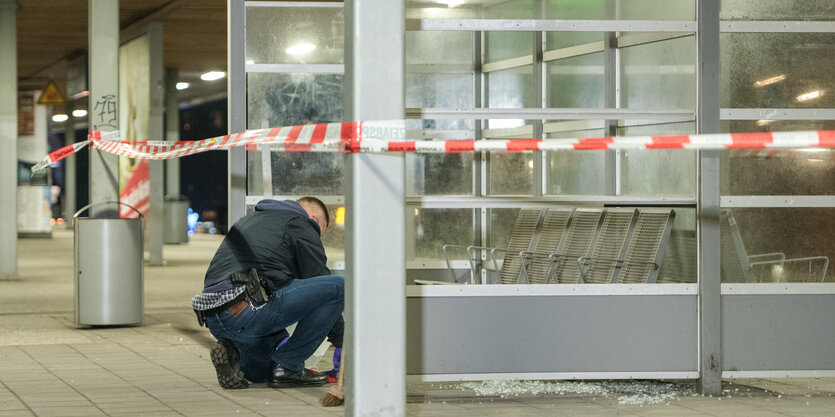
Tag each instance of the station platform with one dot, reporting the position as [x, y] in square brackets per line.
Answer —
[51, 367]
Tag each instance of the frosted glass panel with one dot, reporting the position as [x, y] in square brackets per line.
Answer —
[760, 245]
[506, 45]
[428, 230]
[512, 88]
[777, 70]
[777, 10]
[295, 99]
[511, 173]
[552, 9]
[658, 171]
[294, 35]
[576, 82]
[660, 74]
[291, 99]
[439, 48]
[439, 174]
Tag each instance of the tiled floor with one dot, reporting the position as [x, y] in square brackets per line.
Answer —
[50, 367]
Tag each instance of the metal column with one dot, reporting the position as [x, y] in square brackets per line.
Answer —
[156, 221]
[707, 119]
[374, 248]
[236, 93]
[103, 41]
[8, 139]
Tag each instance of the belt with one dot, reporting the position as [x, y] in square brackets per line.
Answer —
[235, 307]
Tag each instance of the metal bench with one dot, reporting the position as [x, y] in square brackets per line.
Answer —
[520, 242]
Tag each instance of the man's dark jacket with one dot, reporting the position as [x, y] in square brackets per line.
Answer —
[278, 239]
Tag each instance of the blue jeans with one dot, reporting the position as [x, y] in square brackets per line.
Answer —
[314, 303]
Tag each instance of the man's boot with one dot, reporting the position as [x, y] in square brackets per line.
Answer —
[227, 362]
[285, 378]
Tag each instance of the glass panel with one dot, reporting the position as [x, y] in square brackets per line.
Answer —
[439, 174]
[440, 90]
[554, 9]
[294, 99]
[776, 10]
[514, 9]
[512, 88]
[501, 226]
[511, 173]
[777, 70]
[334, 237]
[764, 245]
[439, 48]
[796, 172]
[440, 9]
[576, 82]
[558, 40]
[301, 173]
[777, 172]
[655, 9]
[294, 35]
[658, 171]
[506, 45]
[575, 173]
[660, 74]
[679, 262]
[431, 229]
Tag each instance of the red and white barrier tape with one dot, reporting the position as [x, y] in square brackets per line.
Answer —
[388, 136]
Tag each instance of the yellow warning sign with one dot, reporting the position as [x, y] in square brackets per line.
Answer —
[51, 94]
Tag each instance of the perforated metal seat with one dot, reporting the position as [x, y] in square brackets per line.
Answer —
[578, 241]
[647, 246]
[521, 240]
[547, 246]
[609, 247]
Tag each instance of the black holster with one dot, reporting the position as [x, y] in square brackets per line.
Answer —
[257, 290]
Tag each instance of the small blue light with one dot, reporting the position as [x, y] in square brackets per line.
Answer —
[192, 221]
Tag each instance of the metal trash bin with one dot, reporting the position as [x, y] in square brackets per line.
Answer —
[109, 261]
[175, 212]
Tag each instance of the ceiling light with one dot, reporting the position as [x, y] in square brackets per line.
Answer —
[79, 113]
[453, 3]
[300, 49]
[58, 118]
[212, 75]
[764, 122]
[183, 86]
[772, 80]
[810, 96]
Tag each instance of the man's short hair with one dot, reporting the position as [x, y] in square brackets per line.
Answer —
[315, 201]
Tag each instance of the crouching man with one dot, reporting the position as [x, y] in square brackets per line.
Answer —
[268, 273]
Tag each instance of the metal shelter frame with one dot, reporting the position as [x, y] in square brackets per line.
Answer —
[709, 330]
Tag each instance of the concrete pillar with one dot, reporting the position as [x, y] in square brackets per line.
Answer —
[70, 190]
[8, 139]
[156, 129]
[172, 131]
[375, 295]
[236, 100]
[103, 114]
